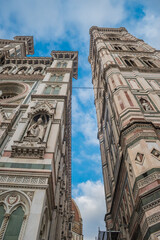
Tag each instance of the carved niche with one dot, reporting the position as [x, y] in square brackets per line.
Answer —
[34, 140]
[155, 153]
[139, 158]
[145, 103]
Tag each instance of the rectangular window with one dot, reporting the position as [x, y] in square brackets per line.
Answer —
[53, 78]
[47, 90]
[59, 64]
[64, 65]
[56, 90]
[60, 78]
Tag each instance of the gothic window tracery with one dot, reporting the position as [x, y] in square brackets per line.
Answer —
[131, 48]
[117, 47]
[130, 62]
[149, 63]
[14, 209]
[14, 224]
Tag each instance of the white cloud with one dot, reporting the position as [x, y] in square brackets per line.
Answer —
[89, 197]
[148, 29]
[54, 19]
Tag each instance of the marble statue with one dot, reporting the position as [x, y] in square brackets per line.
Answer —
[36, 130]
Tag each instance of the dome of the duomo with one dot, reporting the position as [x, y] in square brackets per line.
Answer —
[77, 221]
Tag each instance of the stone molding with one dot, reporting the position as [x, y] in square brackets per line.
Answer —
[23, 181]
[155, 218]
[28, 150]
[151, 205]
[145, 181]
[21, 77]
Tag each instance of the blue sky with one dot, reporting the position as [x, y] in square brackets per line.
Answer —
[64, 25]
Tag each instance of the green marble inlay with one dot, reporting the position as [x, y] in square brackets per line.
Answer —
[150, 198]
[25, 165]
[146, 174]
[151, 230]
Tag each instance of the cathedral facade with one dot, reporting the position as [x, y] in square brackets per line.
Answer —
[126, 82]
[35, 141]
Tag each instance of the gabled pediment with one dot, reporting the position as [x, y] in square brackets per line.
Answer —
[43, 107]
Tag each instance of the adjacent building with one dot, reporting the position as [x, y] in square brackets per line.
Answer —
[35, 141]
[126, 82]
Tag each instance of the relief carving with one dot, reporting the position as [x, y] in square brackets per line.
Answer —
[156, 153]
[146, 105]
[37, 130]
[139, 158]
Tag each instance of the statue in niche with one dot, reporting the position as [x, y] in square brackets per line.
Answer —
[37, 130]
[145, 104]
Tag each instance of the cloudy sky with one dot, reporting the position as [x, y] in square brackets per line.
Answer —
[64, 25]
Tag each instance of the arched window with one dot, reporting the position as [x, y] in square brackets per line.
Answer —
[130, 63]
[2, 212]
[114, 38]
[131, 48]
[116, 47]
[149, 63]
[14, 224]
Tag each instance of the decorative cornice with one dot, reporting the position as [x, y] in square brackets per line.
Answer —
[59, 70]
[21, 77]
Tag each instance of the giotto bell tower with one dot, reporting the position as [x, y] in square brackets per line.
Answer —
[126, 81]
